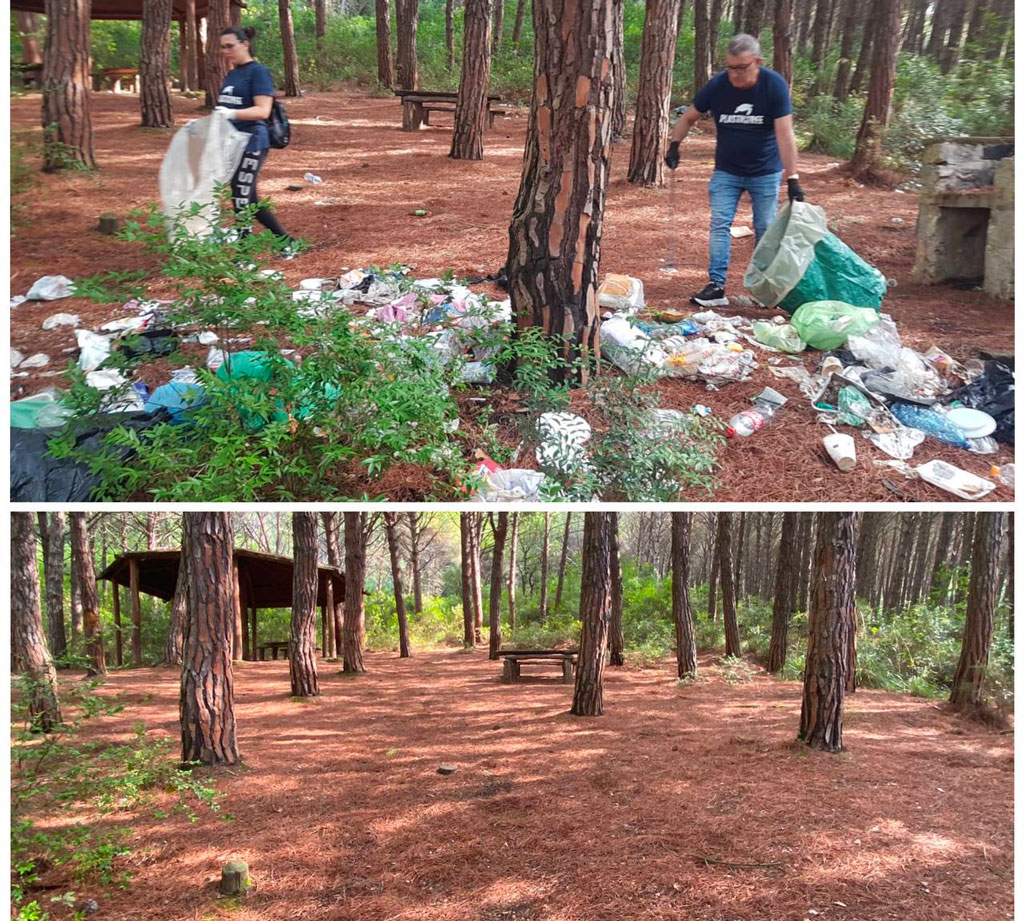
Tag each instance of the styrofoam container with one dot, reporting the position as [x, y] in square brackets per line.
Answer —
[973, 422]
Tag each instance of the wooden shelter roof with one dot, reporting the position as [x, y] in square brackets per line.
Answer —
[121, 9]
[266, 576]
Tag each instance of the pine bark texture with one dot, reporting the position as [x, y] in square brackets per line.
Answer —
[155, 64]
[29, 28]
[218, 17]
[650, 127]
[725, 577]
[391, 528]
[206, 706]
[782, 604]
[499, 23]
[53, 557]
[471, 106]
[66, 82]
[616, 639]
[782, 40]
[320, 13]
[517, 28]
[331, 538]
[355, 577]
[179, 612]
[983, 591]
[291, 58]
[476, 532]
[701, 44]
[682, 610]
[864, 55]
[414, 561]
[830, 619]
[619, 73]
[595, 604]
[81, 561]
[500, 532]
[555, 233]
[27, 626]
[406, 22]
[385, 71]
[302, 651]
[465, 525]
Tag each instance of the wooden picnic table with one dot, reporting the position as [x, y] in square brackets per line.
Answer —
[418, 104]
[114, 77]
[274, 645]
[513, 659]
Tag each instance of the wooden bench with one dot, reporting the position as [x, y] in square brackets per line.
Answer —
[513, 659]
[274, 646]
[113, 77]
[417, 106]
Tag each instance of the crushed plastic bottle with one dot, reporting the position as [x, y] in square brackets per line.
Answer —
[753, 420]
[1003, 473]
[931, 423]
[313, 178]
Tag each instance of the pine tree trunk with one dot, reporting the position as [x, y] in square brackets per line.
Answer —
[782, 40]
[682, 610]
[29, 30]
[291, 59]
[701, 44]
[207, 680]
[52, 531]
[545, 552]
[714, 27]
[940, 26]
[477, 534]
[499, 531]
[471, 106]
[618, 72]
[385, 72]
[849, 35]
[716, 566]
[951, 53]
[29, 646]
[830, 620]
[975, 26]
[803, 31]
[415, 565]
[782, 605]
[499, 22]
[650, 127]
[725, 575]
[864, 55]
[555, 234]
[179, 612]
[155, 64]
[465, 527]
[595, 602]
[330, 523]
[320, 12]
[66, 80]
[737, 15]
[968, 692]
[391, 527]
[218, 17]
[561, 563]
[449, 33]
[305, 577]
[517, 28]
[616, 639]
[406, 22]
[513, 543]
[355, 579]
[81, 561]
[737, 566]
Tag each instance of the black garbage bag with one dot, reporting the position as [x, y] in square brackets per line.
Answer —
[992, 393]
[149, 342]
[36, 477]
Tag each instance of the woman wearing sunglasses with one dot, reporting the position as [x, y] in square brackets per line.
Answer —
[755, 144]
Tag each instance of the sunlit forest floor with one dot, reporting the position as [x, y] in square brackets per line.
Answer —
[375, 176]
[683, 802]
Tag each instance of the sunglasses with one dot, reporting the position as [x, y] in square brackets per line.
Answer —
[739, 67]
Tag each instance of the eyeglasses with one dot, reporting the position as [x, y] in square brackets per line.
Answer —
[228, 47]
[739, 67]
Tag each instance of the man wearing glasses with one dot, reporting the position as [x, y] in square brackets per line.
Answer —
[754, 122]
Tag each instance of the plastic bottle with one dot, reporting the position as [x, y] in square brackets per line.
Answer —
[751, 420]
[931, 423]
[1004, 474]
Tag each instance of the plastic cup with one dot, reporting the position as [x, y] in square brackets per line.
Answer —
[842, 451]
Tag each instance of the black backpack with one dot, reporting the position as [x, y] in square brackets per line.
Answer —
[278, 126]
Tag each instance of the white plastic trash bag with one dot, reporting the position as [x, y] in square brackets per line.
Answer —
[205, 152]
[51, 288]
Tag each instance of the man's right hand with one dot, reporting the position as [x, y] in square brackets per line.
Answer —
[672, 156]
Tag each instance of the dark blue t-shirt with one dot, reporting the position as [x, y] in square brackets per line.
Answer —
[745, 121]
[240, 85]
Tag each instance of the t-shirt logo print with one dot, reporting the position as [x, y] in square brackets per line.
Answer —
[743, 115]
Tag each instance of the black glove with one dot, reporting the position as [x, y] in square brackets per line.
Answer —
[795, 192]
[672, 157]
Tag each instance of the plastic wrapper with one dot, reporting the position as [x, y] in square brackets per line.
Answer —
[878, 347]
[94, 349]
[621, 293]
[783, 337]
[61, 319]
[512, 486]
[41, 410]
[899, 443]
[953, 479]
[628, 347]
[828, 324]
[51, 288]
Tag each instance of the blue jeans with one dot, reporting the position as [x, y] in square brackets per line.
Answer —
[725, 190]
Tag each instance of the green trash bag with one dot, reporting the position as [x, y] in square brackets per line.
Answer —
[826, 324]
[246, 368]
[779, 336]
[798, 261]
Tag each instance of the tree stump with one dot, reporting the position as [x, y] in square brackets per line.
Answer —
[234, 877]
[109, 224]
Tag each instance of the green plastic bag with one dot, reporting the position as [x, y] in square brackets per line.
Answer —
[783, 337]
[854, 407]
[826, 324]
[241, 369]
[798, 260]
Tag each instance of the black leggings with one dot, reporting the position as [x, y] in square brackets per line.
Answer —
[243, 189]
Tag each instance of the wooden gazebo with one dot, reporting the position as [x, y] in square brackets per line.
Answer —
[262, 580]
